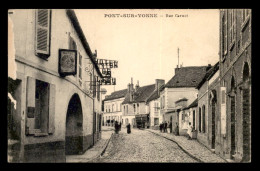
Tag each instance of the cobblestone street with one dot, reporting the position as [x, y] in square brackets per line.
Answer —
[142, 146]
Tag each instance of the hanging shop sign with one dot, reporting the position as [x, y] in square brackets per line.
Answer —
[67, 62]
[107, 81]
[106, 72]
[104, 63]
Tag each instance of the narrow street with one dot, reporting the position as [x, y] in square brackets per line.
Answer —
[142, 146]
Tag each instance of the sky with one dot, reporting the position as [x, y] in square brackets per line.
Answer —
[146, 47]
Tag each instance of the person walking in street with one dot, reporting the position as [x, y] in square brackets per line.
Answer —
[116, 127]
[119, 126]
[161, 127]
[189, 131]
[128, 128]
[177, 129]
[170, 125]
[165, 126]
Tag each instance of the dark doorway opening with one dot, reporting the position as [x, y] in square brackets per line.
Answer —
[233, 119]
[246, 115]
[74, 130]
[213, 126]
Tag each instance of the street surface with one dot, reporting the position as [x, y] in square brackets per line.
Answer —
[142, 146]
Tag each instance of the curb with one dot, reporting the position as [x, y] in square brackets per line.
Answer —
[103, 151]
[185, 151]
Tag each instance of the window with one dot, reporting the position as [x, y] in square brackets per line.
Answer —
[112, 107]
[94, 86]
[224, 34]
[120, 107]
[124, 109]
[199, 119]
[90, 82]
[42, 32]
[183, 116]
[134, 108]
[203, 119]
[98, 91]
[232, 27]
[137, 107]
[127, 109]
[80, 70]
[40, 107]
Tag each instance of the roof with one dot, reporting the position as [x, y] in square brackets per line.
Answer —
[187, 77]
[141, 94]
[153, 96]
[72, 16]
[208, 74]
[193, 104]
[116, 95]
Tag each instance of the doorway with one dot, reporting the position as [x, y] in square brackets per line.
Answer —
[74, 130]
[213, 136]
[246, 114]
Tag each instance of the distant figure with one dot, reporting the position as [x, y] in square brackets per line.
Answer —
[128, 128]
[177, 129]
[116, 127]
[189, 131]
[165, 126]
[170, 125]
[161, 127]
[119, 126]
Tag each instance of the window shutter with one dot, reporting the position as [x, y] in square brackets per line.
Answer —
[42, 35]
[223, 110]
[30, 109]
[52, 93]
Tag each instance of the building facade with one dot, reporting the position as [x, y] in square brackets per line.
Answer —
[54, 115]
[207, 123]
[135, 108]
[235, 84]
[113, 110]
[154, 105]
[181, 85]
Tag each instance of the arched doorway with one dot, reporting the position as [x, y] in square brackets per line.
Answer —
[246, 113]
[74, 130]
[233, 117]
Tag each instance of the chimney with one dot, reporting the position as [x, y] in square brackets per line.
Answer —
[137, 85]
[158, 84]
[177, 69]
[131, 90]
[128, 88]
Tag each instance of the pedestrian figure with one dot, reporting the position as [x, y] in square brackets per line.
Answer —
[128, 128]
[161, 127]
[165, 126]
[116, 127]
[119, 126]
[177, 129]
[189, 131]
[170, 125]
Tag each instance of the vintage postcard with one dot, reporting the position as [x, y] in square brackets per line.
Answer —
[129, 85]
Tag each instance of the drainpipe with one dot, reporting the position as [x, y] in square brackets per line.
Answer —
[93, 107]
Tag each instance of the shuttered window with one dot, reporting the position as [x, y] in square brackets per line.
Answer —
[42, 34]
[80, 69]
[223, 110]
[232, 26]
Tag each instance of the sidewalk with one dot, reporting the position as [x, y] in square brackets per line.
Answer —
[192, 147]
[94, 151]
